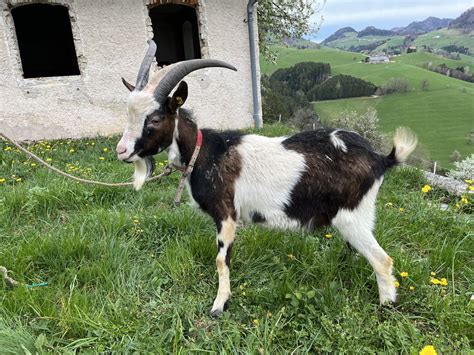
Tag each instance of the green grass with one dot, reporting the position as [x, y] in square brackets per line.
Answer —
[350, 39]
[128, 272]
[442, 116]
[417, 112]
[445, 37]
[290, 56]
[420, 58]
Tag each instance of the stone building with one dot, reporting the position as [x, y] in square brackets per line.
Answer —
[61, 62]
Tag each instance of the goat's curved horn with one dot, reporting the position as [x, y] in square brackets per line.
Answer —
[142, 77]
[180, 70]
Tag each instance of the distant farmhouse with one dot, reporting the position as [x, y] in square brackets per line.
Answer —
[61, 62]
[377, 59]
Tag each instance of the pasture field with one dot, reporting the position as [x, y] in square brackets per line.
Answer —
[445, 37]
[129, 272]
[442, 115]
[288, 57]
[419, 58]
[350, 39]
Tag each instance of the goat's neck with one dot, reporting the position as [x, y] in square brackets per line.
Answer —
[185, 136]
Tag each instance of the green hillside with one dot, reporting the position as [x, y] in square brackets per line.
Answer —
[350, 39]
[442, 116]
[445, 37]
[419, 58]
[441, 128]
[288, 57]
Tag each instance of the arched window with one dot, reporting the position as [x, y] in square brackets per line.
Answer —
[175, 30]
[45, 40]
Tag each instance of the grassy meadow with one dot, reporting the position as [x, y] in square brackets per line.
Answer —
[128, 272]
[445, 37]
[442, 115]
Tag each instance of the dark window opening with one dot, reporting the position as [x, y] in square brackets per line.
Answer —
[45, 40]
[175, 31]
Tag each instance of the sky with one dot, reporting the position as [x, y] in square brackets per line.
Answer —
[384, 14]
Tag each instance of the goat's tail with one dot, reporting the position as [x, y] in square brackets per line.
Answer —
[404, 143]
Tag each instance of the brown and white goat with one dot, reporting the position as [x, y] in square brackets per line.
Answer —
[308, 180]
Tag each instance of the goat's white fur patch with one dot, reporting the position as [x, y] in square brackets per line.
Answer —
[356, 227]
[405, 142]
[139, 105]
[337, 142]
[174, 155]
[269, 174]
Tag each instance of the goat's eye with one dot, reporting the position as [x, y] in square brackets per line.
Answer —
[155, 120]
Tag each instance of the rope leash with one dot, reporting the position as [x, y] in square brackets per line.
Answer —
[168, 169]
[13, 283]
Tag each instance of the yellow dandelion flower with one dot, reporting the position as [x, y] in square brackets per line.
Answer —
[404, 274]
[426, 189]
[6, 149]
[435, 281]
[469, 181]
[470, 188]
[458, 205]
[256, 322]
[328, 236]
[101, 158]
[411, 288]
[105, 150]
[464, 200]
[433, 273]
[2, 180]
[428, 350]
[396, 284]
[33, 164]
[401, 209]
[71, 150]
[443, 282]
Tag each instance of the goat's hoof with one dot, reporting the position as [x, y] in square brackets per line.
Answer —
[217, 312]
[389, 304]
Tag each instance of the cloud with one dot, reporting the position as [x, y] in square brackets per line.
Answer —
[346, 13]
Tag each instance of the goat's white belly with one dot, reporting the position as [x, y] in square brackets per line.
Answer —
[269, 174]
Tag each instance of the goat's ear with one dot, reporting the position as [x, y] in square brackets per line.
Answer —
[179, 96]
[128, 85]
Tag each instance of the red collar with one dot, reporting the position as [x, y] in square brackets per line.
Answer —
[198, 139]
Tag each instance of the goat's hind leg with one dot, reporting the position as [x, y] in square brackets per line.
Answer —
[225, 239]
[361, 238]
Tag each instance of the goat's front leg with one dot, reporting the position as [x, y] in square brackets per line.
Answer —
[225, 238]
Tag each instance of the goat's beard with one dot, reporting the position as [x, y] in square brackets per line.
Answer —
[143, 169]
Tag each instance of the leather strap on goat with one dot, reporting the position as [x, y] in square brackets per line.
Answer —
[189, 168]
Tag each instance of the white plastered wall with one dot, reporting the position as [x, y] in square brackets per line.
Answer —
[110, 38]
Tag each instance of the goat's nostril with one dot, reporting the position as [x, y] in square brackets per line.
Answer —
[121, 150]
